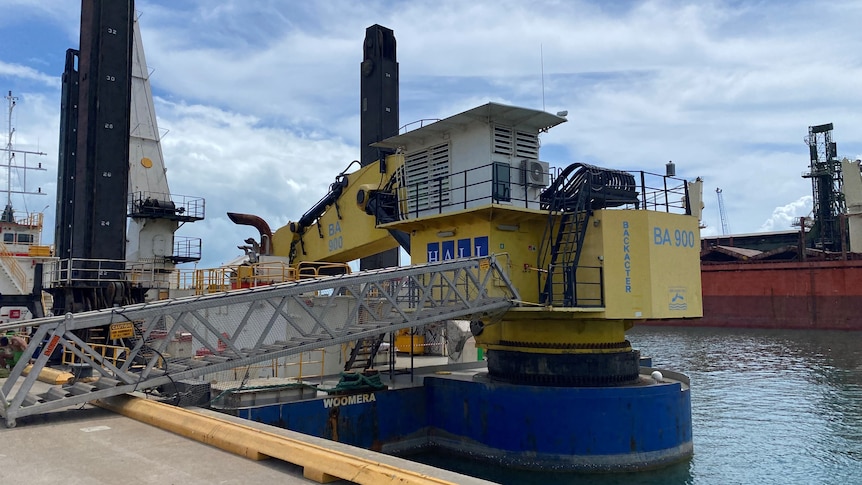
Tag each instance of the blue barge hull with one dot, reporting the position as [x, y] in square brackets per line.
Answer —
[626, 428]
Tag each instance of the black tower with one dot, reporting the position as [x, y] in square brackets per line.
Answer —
[378, 110]
[93, 170]
[826, 188]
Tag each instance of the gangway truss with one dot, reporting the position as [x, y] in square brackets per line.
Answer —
[237, 328]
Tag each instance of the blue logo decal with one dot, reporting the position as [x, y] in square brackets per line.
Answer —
[677, 299]
[433, 252]
[464, 250]
[481, 244]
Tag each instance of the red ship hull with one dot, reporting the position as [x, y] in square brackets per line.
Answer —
[823, 295]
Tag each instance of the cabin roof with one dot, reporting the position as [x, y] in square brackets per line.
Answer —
[522, 118]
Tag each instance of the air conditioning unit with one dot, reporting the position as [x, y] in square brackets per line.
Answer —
[535, 173]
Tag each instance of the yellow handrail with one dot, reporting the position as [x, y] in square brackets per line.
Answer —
[112, 353]
[14, 268]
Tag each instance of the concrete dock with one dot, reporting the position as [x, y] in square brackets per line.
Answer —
[91, 445]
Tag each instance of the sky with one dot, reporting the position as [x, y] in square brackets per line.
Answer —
[259, 105]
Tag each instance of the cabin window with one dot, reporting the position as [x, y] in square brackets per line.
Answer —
[502, 182]
[8, 237]
[25, 238]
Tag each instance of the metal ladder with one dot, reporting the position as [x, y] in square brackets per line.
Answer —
[364, 352]
[242, 327]
[570, 201]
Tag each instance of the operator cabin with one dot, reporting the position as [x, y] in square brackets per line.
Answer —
[482, 160]
[489, 154]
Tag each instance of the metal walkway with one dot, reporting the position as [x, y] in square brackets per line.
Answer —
[221, 331]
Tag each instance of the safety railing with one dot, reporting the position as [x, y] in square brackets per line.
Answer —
[114, 354]
[154, 205]
[186, 249]
[501, 183]
[576, 286]
[11, 264]
[304, 366]
[91, 272]
[213, 280]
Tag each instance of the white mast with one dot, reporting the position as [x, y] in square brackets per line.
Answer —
[11, 163]
[12, 101]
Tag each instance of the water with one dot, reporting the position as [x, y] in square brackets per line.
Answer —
[768, 406]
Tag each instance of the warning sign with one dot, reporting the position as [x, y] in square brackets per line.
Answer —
[122, 330]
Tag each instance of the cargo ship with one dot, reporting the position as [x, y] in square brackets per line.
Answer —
[807, 278]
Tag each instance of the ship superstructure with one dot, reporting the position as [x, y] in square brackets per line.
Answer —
[22, 253]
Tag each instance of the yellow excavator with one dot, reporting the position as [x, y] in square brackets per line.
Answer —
[590, 250]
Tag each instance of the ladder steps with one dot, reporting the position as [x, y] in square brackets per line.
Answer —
[79, 388]
[175, 367]
[309, 339]
[30, 399]
[55, 394]
[253, 352]
[106, 382]
[216, 359]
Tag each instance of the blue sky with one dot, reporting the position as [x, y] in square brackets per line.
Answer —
[260, 100]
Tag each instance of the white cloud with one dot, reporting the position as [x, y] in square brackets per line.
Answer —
[783, 217]
[262, 104]
[239, 166]
[29, 74]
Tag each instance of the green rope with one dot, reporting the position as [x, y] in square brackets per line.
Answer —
[354, 380]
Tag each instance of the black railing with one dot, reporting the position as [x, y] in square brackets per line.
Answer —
[186, 249]
[576, 286]
[154, 205]
[499, 183]
[474, 187]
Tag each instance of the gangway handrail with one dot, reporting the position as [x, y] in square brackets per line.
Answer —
[246, 326]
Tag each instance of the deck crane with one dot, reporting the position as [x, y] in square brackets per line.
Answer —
[721, 212]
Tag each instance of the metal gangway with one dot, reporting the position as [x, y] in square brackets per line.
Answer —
[220, 331]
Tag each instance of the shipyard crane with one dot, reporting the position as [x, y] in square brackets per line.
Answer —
[721, 211]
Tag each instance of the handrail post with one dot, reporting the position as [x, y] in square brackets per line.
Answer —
[643, 191]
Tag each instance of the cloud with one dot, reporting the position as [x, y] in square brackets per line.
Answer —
[237, 165]
[29, 74]
[783, 217]
[262, 105]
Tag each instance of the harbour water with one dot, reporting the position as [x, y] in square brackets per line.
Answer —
[768, 407]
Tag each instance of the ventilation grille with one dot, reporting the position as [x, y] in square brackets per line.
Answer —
[503, 140]
[521, 144]
[527, 145]
[427, 176]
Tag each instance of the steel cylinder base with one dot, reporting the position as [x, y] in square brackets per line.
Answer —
[564, 369]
